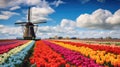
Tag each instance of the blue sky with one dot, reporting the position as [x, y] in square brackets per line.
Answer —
[79, 18]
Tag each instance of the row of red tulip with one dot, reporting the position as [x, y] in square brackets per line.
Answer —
[5, 48]
[44, 56]
[106, 48]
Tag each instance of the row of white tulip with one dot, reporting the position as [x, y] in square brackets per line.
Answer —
[13, 51]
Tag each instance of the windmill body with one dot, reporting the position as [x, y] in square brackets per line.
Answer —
[29, 32]
[29, 28]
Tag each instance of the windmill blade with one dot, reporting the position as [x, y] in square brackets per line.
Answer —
[39, 22]
[29, 15]
[20, 23]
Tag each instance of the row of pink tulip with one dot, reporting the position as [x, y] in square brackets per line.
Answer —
[7, 42]
[5, 48]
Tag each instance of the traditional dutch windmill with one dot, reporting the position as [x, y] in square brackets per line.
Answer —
[29, 28]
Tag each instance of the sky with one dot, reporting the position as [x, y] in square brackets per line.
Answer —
[66, 18]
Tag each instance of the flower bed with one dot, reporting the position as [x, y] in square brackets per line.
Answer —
[14, 51]
[101, 57]
[107, 48]
[10, 45]
[73, 57]
[51, 53]
[44, 56]
[17, 59]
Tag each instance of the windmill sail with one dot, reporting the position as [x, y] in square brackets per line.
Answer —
[29, 15]
[20, 22]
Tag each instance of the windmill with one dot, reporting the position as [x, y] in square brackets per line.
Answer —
[29, 28]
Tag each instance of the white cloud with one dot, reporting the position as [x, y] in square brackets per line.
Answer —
[15, 8]
[57, 3]
[99, 19]
[32, 2]
[41, 13]
[51, 31]
[115, 19]
[67, 23]
[10, 32]
[11, 3]
[1, 26]
[7, 14]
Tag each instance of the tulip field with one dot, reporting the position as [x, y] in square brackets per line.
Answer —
[57, 53]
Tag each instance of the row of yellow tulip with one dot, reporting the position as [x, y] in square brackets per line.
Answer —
[101, 57]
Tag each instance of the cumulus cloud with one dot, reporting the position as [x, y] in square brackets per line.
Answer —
[43, 31]
[1, 26]
[7, 14]
[11, 3]
[57, 3]
[32, 2]
[67, 23]
[114, 19]
[15, 8]
[7, 32]
[98, 34]
[51, 31]
[99, 19]
[41, 13]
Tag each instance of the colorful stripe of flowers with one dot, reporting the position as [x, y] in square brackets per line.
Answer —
[101, 57]
[13, 51]
[44, 56]
[7, 46]
[16, 59]
[107, 48]
[8, 42]
[74, 58]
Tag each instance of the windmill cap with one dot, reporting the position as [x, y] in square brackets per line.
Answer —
[29, 24]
